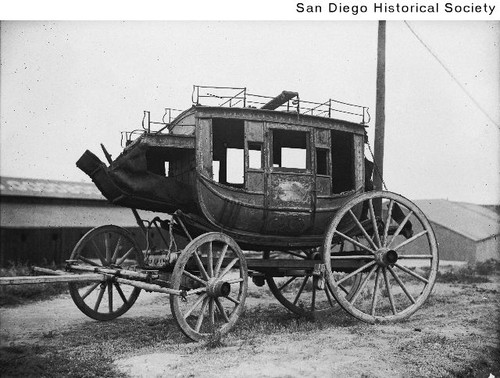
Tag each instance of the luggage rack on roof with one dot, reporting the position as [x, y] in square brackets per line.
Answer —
[286, 101]
[231, 97]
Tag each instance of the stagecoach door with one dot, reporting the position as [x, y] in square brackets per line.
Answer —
[289, 179]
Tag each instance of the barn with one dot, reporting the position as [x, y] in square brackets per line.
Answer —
[464, 231]
[42, 220]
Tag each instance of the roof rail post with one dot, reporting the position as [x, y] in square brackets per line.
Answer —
[146, 121]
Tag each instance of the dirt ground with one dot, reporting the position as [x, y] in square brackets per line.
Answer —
[455, 333]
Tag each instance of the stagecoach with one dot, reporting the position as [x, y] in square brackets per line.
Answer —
[273, 189]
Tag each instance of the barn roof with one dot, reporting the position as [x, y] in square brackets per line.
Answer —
[79, 213]
[475, 222]
[28, 187]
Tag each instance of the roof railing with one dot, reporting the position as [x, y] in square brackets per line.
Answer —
[147, 125]
[286, 101]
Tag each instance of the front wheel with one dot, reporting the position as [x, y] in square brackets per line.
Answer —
[392, 245]
[109, 247]
[213, 273]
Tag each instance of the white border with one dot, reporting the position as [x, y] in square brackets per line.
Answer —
[234, 10]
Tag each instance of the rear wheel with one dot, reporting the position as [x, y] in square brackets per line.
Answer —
[304, 292]
[111, 247]
[394, 249]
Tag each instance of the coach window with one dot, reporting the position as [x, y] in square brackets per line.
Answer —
[228, 151]
[290, 149]
[254, 155]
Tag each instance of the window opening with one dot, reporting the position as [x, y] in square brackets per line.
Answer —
[290, 149]
[234, 174]
[321, 161]
[228, 150]
[175, 163]
[342, 161]
[215, 169]
[293, 158]
[255, 155]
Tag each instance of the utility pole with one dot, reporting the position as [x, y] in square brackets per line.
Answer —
[380, 114]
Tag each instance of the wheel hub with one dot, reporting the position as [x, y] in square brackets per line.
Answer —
[385, 257]
[217, 288]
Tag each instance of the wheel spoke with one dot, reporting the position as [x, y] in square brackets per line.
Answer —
[202, 314]
[235, 301]
[88, 261]
[355, 242]
[287, 283]
[228, 267]
[99, 253]
[296, 254]
[120, 293]
[401, 225]
[374, 223]
[375, 292]
[90, 290]
[328, 295]
[396, 277]
[200, 265]
[360, 226]
[363, 284]
[221, 310]
[389, 292]
[117, 250]
[99, 298]
[107, 247]
[210, 262]
[220, 260]
[408, 241]
[355, 272]
[343, 289]
[388, 222]
[110, 297]
[198, 279]
[412, 273]
[124, 257]
[196, 304]
[211, 313]
[300, 290]
[234, 280]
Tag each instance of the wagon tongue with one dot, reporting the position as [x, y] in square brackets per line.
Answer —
[279, 100]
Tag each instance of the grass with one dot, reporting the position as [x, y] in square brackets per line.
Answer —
[89, 349]
[14, 295]
[471, 273]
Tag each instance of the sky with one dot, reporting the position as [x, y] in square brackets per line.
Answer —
[67, 86]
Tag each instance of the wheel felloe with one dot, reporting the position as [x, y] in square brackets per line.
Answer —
[216, 265]
[395, 251]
